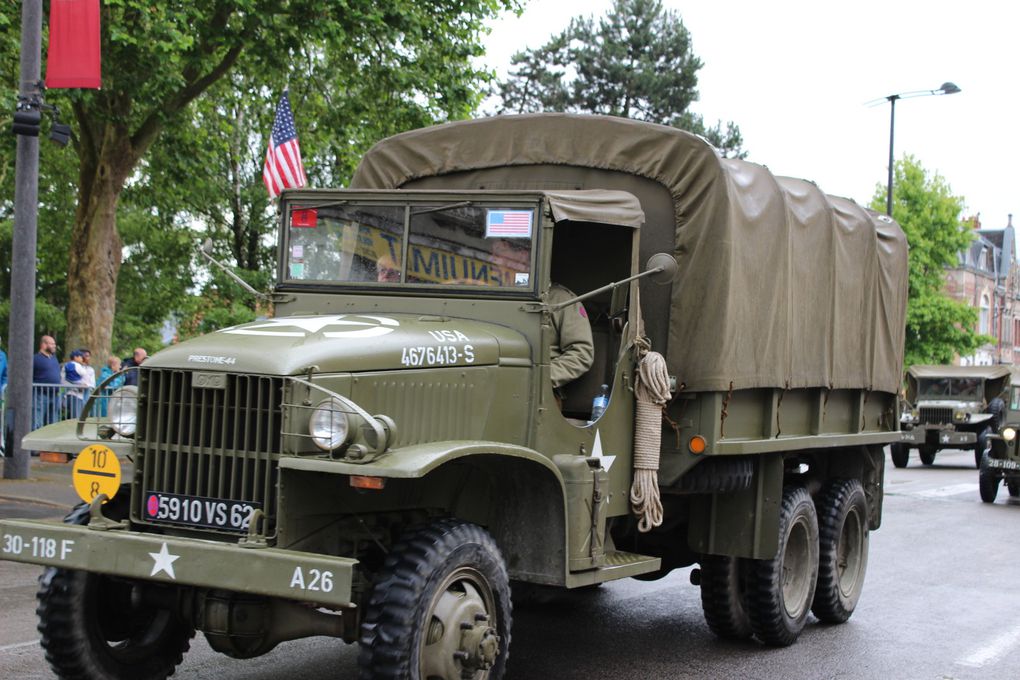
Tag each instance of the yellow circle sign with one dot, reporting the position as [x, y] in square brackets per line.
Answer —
[96, 471]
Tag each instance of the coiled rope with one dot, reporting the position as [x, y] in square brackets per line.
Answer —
[652, 391]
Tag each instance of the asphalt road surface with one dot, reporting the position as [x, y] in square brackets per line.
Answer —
[941, 601]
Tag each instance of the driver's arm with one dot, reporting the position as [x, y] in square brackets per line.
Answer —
[572, 350]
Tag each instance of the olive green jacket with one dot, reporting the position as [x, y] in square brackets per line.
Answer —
[572, 349]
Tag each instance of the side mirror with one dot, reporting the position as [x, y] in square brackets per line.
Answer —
[662, 268]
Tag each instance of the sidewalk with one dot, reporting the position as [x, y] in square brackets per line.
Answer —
[47, 492]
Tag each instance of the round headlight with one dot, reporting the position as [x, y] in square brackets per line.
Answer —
[329, 425]
[123, 410]
[1009, 434]
[959, 415]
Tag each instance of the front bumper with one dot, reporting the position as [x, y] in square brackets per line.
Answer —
[949, 439]
[307, 577]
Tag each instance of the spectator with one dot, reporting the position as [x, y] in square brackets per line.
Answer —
[3, 373]
[112, 366]
[136, 359]
[74, 378]
[90, 372]
[45, 378]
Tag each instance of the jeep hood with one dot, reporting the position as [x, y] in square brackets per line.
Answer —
[346, 343]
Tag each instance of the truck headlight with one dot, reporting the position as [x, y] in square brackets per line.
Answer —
[960, 416]
[329, 425]
[123, 410]
[1009, 434]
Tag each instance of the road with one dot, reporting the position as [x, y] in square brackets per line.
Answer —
[941, 601]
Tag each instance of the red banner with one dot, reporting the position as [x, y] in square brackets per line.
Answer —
[73, 56]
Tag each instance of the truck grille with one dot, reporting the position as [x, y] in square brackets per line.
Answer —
[220, 440]
[936, 415]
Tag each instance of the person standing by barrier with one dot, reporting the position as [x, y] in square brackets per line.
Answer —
[74, 379]
[112, 366]
[136, 359]
[45, 384]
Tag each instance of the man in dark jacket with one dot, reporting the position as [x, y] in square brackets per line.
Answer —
[136, 359]
[45, 384]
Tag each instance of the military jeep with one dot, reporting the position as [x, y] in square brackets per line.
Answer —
[379, 460]
[950, 407]
[1000, 462]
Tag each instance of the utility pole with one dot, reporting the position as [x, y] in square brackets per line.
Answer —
[23, 255]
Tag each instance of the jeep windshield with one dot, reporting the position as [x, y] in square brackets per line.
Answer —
[472, 243]
[964, 389]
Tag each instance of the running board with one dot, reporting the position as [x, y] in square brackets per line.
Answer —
[618, 564]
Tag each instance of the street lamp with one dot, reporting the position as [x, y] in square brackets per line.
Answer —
[946, 88]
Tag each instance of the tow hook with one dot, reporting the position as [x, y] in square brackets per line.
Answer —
[479, 645]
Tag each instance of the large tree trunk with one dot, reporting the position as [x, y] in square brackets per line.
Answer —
[95, 256]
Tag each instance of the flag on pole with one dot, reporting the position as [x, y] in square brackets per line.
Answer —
[283, 168]
[73, 57]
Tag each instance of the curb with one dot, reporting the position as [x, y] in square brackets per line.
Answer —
[35, 501]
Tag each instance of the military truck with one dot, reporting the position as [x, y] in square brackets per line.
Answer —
[1000, 462]
[950, 407]
[380, 460]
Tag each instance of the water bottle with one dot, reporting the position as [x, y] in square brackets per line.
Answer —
[599, 403]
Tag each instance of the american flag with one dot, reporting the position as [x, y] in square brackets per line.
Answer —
[508, 223]
[283, 169]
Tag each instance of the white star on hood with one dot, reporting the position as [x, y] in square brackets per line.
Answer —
[164, 561]
[314, 324]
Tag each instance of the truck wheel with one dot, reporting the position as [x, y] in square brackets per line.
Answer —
[1014, 488]
[843, 550]
[981, 446]
[988, 485]
[927, 454]
[900, 455]
[780, 590]
[722, 596]
[93, 628]
[440, 608]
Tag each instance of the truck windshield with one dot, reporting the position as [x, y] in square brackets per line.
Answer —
[950, 388]
[467, 243]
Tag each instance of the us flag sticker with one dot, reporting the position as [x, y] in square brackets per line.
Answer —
[508, 223]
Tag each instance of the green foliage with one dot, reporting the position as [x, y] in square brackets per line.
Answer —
[637, 62]
[938, 327]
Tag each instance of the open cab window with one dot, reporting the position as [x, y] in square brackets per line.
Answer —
[475, 243]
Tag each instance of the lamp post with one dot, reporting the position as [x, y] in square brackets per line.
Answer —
[946, 88]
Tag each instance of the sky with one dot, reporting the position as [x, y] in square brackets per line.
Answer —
[796, 75]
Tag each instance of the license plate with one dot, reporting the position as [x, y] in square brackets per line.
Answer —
[195, 511]
[1003, 464]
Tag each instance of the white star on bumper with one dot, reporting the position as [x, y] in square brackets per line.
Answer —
[164, 561]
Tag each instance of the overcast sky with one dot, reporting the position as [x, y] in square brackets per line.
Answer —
[795, 76]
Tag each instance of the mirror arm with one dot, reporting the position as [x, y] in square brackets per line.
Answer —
[591, 293]
[237, 279]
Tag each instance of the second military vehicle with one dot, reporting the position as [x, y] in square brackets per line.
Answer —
[1000, 463]
[383, 457]
[950, 407]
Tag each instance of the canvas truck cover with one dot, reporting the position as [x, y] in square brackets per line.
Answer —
[780, 285]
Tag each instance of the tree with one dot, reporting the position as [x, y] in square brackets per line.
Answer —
[638, 62]
[938, 327]
[158, 58]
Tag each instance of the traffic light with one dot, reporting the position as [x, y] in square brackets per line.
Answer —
[27, 122]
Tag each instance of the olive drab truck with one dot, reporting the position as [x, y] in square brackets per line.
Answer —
[950, 407]
[1000, 460]
[382, 458]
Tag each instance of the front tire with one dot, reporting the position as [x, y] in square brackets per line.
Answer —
[927, 454]
[780, 590]
[988, 485]
[722, 596]
[440, 608]
[900, 454]
[843, 550]
[93, 628]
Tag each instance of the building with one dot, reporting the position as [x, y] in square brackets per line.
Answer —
[988, 279]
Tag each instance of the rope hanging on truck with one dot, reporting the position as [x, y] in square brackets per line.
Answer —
[652, 391]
